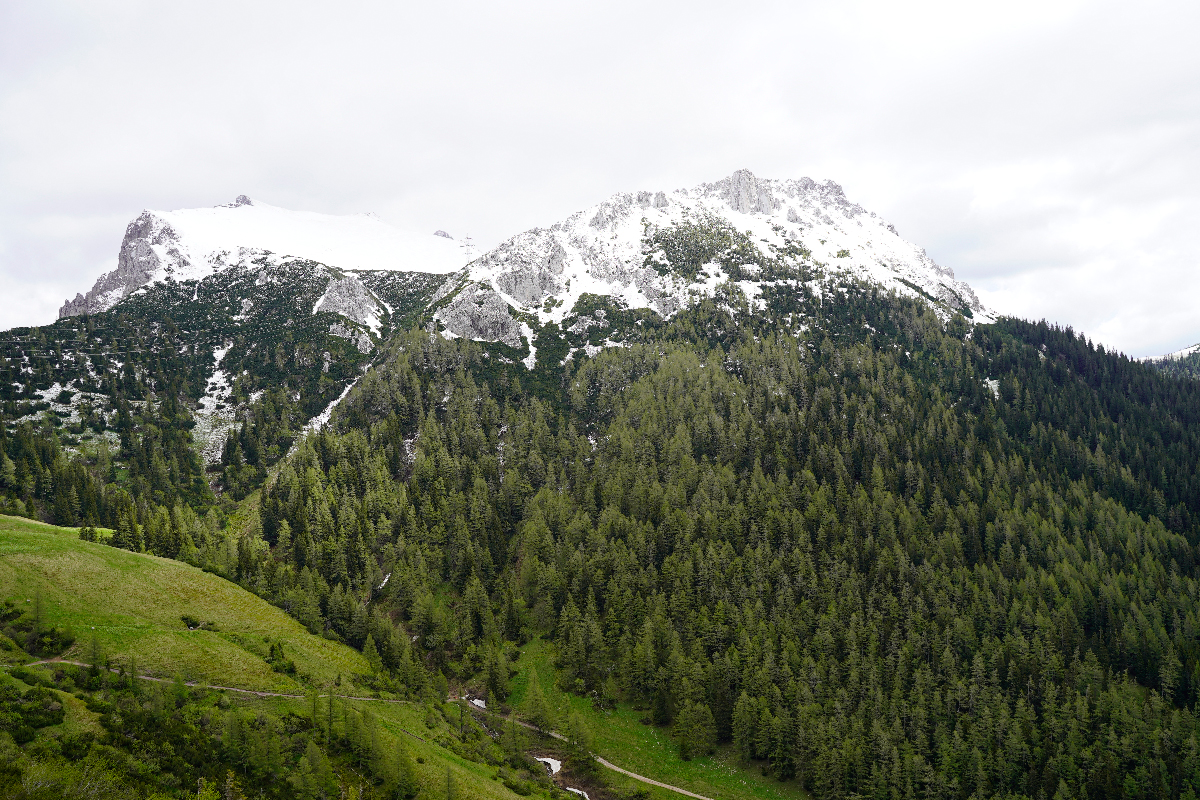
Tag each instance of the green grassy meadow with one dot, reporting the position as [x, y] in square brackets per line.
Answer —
[647, 750]
[134, 603]
[395, 722]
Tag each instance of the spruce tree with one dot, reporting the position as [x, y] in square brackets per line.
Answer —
[537, 711]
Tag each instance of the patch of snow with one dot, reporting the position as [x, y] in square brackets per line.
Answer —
[386, 578]
[478, 703]
[579, 792]
[553, 764]
[357, 241]
[530, 361]
[1176, 356]
[993, 385]
[215, 415]
[322, 419]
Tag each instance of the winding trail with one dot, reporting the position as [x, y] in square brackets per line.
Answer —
[233, 688]
[606, 763]
[601, 761]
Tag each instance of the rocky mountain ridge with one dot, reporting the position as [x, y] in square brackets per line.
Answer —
[192, 244]
[262, 297]
[660, 250]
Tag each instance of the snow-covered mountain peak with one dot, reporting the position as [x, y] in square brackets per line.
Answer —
[658, 250]
[191, 244]
[1178, 355]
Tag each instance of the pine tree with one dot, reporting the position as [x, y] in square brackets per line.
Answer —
[372, 655]
[537, 711]
[580, 743]
[404, 773]
[694, 730]
[745, 715]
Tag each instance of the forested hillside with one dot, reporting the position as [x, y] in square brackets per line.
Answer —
[873, 551]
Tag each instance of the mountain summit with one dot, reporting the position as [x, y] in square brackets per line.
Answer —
[192, 244]
[658, 250]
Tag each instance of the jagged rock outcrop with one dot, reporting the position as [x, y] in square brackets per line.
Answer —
[347, 296]
[360, 338]
[478, 312]
[150, 245]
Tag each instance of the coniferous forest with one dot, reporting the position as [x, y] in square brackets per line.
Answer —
[879, 554]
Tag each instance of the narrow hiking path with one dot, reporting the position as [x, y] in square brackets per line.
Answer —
[255, 692]
[601, 761]
[474, 710]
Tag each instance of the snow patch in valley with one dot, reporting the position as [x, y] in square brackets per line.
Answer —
[322, 419]
[530, 361]
[215, 415]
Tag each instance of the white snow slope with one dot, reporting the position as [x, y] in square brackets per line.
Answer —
[191, 244]
[1176, 356]
[602, 250]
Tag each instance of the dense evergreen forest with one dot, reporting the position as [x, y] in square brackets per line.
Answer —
[877, 553]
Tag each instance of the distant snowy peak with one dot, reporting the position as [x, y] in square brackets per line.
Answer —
[658, 250]
[192, 244]
[1178, 355]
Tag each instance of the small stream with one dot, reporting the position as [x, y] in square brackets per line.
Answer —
[554, 765]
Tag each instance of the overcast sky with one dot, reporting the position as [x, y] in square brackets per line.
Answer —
[1049, 152]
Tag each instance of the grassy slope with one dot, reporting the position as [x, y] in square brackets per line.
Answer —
[646, 749]
[473, 780]
[132, 603]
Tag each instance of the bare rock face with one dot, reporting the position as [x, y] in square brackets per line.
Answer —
[348, 297]
[746, 193]
[150, 244]
[530, 276]
[360, 339]
[478, 312]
